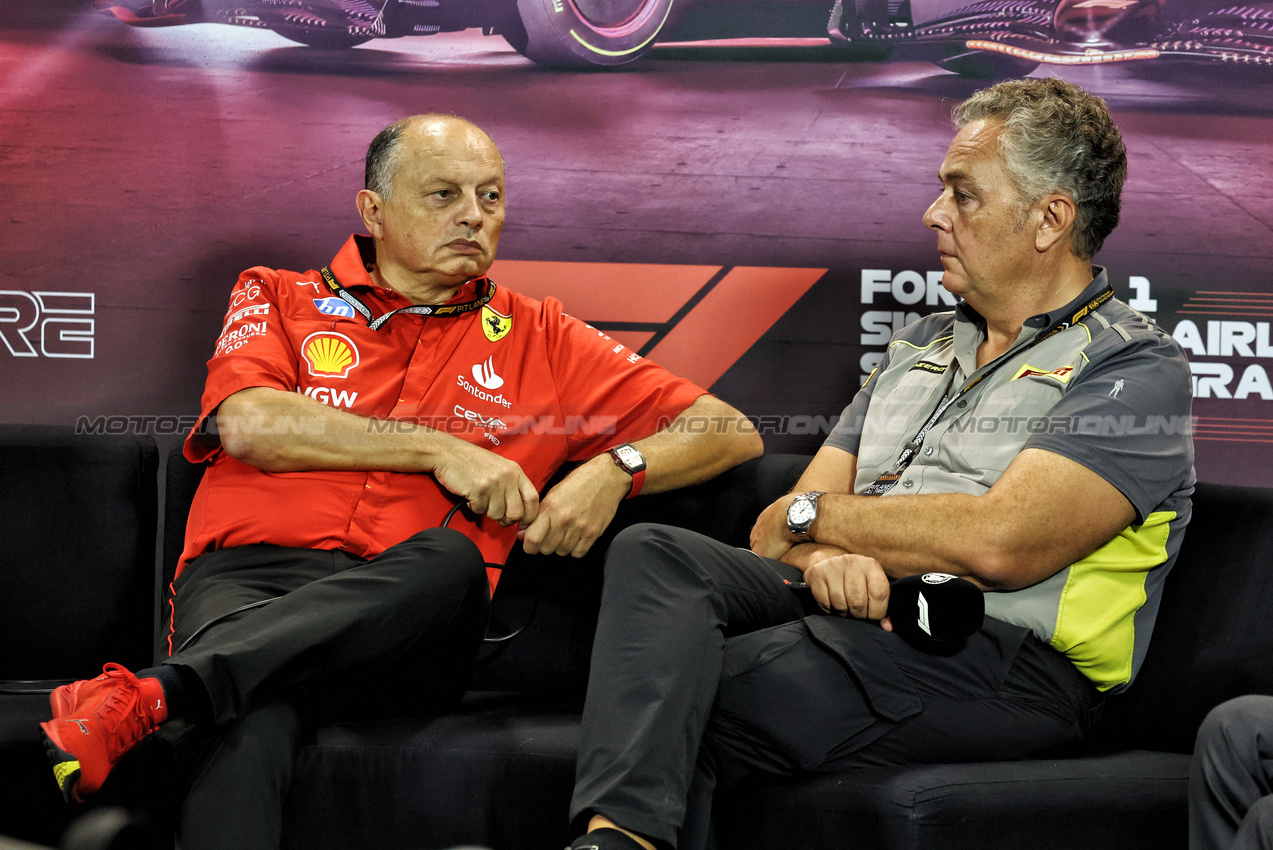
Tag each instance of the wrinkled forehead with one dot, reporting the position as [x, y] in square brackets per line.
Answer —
[449, 149]
[976, 139]
[976, 147]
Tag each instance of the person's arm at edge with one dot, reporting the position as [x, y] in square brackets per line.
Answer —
[576, 511]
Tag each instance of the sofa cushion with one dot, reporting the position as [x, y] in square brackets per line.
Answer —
[1125, 801]
[77, 514]
[31, 806]
[498, 772]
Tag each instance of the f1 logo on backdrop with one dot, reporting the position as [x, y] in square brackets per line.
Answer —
[49, 324]
[695, 321]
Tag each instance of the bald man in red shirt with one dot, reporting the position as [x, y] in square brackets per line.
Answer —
[378, 432]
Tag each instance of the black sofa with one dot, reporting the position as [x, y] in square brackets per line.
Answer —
[77, 517]
[499, 771]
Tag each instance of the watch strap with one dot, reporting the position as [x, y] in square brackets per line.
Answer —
[638, 475]
[638, 481]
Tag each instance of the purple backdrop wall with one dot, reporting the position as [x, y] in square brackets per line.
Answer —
[143, 169]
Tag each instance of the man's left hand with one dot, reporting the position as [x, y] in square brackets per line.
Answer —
[852, 585]
[573, 514]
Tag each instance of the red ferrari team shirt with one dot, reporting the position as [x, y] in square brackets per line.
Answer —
[515, 376]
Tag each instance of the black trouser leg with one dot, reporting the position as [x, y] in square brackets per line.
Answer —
[1256, 832]
[1232, 772]
[670, 600]
[235, 801]
[701, 645]
[336, 615]
[829, 694]
[346, 639]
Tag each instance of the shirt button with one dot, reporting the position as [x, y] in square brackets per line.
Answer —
[908, 483]
[963, 402]
[928, 451]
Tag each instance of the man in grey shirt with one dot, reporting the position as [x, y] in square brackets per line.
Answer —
[1034, 441]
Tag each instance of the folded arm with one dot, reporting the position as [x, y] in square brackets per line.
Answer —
[1045, 512]
[279, 431]
[707, 438]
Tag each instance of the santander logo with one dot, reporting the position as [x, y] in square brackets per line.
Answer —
[484, 374]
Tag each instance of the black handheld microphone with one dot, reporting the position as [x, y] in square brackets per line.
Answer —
[935, 608]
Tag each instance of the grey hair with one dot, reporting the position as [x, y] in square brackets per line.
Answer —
[1058, 138]
[384, 154]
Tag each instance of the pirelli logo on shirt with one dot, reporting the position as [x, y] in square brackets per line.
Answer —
[1061, 375]
[929, 366]
[241, 326]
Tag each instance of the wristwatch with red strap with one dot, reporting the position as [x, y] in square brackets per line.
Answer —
[631, 461]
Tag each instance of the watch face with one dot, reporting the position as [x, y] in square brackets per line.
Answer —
[630, 458]
[801, 512]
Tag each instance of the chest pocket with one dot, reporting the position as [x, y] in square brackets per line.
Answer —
[992, 431]
[896, 414]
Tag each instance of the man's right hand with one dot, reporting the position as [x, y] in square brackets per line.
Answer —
[493, 486]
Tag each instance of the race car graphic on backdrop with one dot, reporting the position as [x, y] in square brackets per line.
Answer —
[993, 38]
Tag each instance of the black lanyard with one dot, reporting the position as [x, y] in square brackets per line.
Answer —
[910, 451]
[440, 310]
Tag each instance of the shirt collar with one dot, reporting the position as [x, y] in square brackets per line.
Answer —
[970, 327]
[964, 312]
[1093, 289]
[353, 263]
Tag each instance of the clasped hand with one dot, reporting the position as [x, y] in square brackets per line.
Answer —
[841, 582]
[569, 519]
[844, 583]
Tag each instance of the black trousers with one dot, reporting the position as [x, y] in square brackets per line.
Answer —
[707, 669]
[347, 638]
[1231, 777]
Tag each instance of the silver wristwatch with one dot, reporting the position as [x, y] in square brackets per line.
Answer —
[801, 513]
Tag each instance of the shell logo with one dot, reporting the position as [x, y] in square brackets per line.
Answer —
[330, 355]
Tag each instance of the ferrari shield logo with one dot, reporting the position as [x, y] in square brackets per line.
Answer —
[495, 325]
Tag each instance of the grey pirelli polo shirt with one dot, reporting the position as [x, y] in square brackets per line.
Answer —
[1111, 391]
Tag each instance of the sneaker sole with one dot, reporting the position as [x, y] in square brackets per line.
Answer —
[66, 767]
